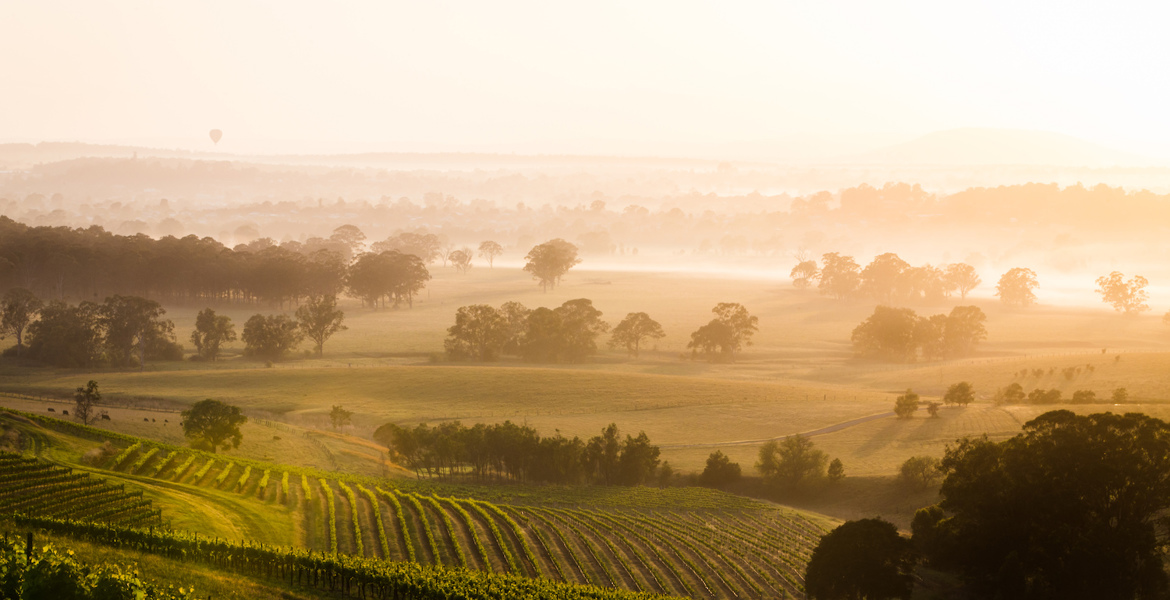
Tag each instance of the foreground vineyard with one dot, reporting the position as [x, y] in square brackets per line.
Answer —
[676, 542]
[34, 487]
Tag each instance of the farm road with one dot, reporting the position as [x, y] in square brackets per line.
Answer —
[823, 430]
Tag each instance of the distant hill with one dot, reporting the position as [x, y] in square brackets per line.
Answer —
[981, 147]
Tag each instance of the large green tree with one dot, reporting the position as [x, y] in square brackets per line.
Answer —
[1073, 507]
[134, 325]
[319, 318]
[211, 424]
[791, 463]
[861, 559]
[270, 337]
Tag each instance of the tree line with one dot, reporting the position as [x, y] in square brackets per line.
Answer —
[569, 332]
[518, 453]
[128, 331]
[899, 334]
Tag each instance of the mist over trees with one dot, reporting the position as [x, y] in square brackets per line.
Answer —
[725, 335]
[1015, 288]
[548, 262]
[1128, 297]
[899, 334]
[886, 279]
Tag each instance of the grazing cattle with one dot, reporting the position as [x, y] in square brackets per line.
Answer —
[145, 420]
[51, 409]
[105, 417]
[65, 412]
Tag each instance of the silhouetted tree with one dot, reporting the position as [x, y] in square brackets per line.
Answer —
[880, 278]
[836, 470]
[920, 472]
[964, 328]
[1070, 508]
[840, 275]
[906, 405]
[85, 401]
[567, 333]
[791, 463]
[888, 333]
[391, 275]
[18, 308]
[861, 559]
[960, 393]
[211, 424]
[461, 259]
[424, 246]
[339, 417]
[548, 262]
[489, 250]
[714, 340]
[1120, 396]
[211, 331]
[1127, 297]
[66, 336]
[479, 333]
[1015, 287]
[962, 277]
[350, 236]
[720, 471]
[135, 325]
[270, 336]
[804, 273]
[1012, 394]
[319, 318]
[632, 330]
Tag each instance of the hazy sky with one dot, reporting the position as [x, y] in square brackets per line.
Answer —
[590, 76]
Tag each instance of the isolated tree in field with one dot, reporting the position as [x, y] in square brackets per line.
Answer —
[1015, 287]
[1128, 297]
[720, 471]
[339, 417]
[888, 333]
[961, 277]
[134, 325]
[743, 325]
[804, 273]
[489, 250]
[791, 463]
[319, 318]
[880, 279]
[211, 331]
[1084, 397]
[479, 333]
[906, 405]
[932, 409]
[1072, 507]
[836, 470]
[211, 424]
[840, 275]
[271, 336]
[632, 330]
[1120, 396]
[920, 472]
[960, 394]
[861, 559]
[85, 401]
[18, 308]
[549, 261]
[461, 259]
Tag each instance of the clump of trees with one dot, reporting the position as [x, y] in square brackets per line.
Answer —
[1072, 507]
[633, 330]
[794, 464]
[567, 333]
[388, 276]
[18, 308]
[719, 471]
[122, 331]
[919, 472]
[1014, 393]
[906, 405]
[899, 334]
[270, 337]
[726, 334]
[211, 332]
[548, 262]
[1127, 297]
[518, 453]
[887, 279]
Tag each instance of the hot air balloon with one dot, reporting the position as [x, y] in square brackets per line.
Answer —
[215, 135]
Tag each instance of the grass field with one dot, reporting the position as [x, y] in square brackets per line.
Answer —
[799, 376]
